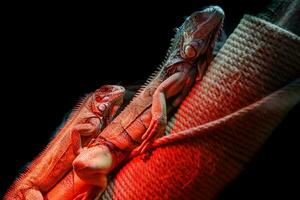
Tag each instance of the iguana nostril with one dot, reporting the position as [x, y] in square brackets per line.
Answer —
[190, 51]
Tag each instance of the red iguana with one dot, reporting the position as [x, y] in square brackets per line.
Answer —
[88, 119]
[145, 118]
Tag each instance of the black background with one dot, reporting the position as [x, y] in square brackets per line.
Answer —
[56, 53]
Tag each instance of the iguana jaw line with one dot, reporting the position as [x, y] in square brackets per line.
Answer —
[201, 30]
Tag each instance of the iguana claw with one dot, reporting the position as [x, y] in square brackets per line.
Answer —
[156, 128]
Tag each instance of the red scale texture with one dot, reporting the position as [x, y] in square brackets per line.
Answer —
[234, 109]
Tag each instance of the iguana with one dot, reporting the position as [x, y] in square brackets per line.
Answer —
[93, 113]
[145, 118]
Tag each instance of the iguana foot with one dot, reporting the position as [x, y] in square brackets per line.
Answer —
[156, 129]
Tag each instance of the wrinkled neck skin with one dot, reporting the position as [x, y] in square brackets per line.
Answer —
[177, 62]
[200, 61]
[195, 40]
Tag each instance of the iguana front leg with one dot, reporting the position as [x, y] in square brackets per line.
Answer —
[93, 114]
[89, 128]
[172, 86]
[146, 116]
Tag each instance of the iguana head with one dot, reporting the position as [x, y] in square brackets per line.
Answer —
[107, 100]
[195, 39]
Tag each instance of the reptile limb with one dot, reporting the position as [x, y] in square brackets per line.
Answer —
[95, 112]
[133, 130]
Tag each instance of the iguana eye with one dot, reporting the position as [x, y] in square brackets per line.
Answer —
[190, 51]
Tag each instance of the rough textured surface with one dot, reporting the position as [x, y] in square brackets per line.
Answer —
[235, 108]
[85, 122]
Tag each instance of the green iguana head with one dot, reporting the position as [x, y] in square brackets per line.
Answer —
[107, 100]
[196, 37]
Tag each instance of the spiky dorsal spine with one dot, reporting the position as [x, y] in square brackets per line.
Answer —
[21, 184]
[175, 43]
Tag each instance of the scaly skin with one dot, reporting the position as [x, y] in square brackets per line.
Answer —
[91, 116]
[146, 116]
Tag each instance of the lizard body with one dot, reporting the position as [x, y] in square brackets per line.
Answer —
[91, 116]
[191, 51]
[146, 116]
